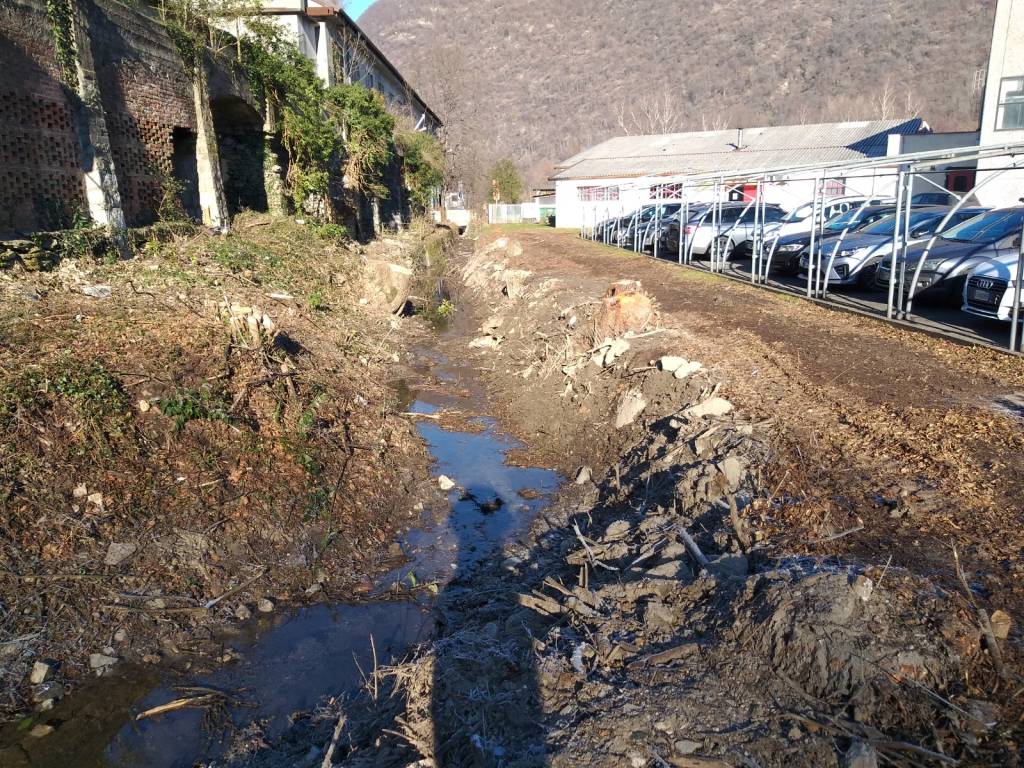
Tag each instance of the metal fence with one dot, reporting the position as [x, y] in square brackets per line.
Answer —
[711, 190]
[520, 213]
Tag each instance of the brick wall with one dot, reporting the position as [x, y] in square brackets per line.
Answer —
[145, 95]
[41, 181]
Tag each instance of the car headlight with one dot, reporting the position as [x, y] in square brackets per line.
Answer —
[932, 265]
[790, 248]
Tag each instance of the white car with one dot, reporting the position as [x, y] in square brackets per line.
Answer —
[990, 288]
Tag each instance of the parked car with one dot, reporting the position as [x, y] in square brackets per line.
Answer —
[789, 249]
[860, 252]
[991, 286]
[735, 225]
[798, 220]
[670, 230]
[641, 219]
[959, 250]
[652, 223]
[935, 198]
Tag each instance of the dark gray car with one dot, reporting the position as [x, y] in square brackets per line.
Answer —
[986, 237]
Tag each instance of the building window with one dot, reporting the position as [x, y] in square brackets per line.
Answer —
[666, 192]
[1010, 115]
[835, 187]
[598, 194]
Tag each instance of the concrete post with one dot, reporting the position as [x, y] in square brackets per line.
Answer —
[211, 186]
[101, 188]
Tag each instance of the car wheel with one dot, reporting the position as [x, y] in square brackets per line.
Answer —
[955, 289]
[725, 247]
[866, 278]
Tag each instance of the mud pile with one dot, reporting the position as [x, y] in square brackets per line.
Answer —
[647, 620]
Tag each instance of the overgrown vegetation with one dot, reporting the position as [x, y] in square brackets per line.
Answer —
[369, 131]
[201, 404]
[342, 130]
[61, 15]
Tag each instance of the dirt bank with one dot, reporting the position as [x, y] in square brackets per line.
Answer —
[194, 437]
[687, 601]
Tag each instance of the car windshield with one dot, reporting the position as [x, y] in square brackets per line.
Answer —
[887, 225]
[797, 214]
[988, 227]
[844, 220]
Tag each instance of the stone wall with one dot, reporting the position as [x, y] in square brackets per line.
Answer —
[146, 95]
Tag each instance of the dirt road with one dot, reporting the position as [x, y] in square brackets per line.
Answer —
[915, 441]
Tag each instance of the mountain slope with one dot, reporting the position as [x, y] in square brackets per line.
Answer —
[541, 80]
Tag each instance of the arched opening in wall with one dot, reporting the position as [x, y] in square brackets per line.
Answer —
[242, 149]
[185, 170]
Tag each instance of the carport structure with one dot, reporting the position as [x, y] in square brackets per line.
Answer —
[860, 178]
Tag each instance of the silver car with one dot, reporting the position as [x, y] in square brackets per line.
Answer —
[735, 226]
[855, 257]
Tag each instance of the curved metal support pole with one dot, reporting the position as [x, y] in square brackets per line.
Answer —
[905, 244]
[754, 231]
[684, 216]
[938, 232]
[895, 241]
[1015, 314]
[823, 279]
[815, 213]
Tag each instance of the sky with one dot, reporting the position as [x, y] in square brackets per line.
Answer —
[355, 8]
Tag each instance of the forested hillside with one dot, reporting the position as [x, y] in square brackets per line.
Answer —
[544, 79]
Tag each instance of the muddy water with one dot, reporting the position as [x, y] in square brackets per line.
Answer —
[292, 661]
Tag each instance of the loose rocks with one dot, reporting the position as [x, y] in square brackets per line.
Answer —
[100, 661]
[41, 672]
[118, 553]
[631, 406]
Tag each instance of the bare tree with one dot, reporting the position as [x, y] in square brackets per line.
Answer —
[454, 94]
[351, 60]
[651, 113]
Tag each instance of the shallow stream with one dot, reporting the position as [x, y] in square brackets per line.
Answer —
[296, 659]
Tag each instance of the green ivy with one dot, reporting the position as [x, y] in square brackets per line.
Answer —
[370, 131]
[61, 15]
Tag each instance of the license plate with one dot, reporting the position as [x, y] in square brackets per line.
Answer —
[984, 297]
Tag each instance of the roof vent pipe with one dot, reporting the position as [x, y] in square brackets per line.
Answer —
[739, 138]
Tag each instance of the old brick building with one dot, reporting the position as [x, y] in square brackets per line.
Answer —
[148, 111]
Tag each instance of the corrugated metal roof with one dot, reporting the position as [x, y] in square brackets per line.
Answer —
[711, 151]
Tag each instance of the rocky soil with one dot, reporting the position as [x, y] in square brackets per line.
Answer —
[194, 437]
[664, 611]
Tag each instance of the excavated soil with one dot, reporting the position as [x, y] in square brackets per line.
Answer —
[755, 564]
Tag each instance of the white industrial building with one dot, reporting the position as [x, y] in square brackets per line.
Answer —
[624, 173]
[327, 36]
[1002, 115]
